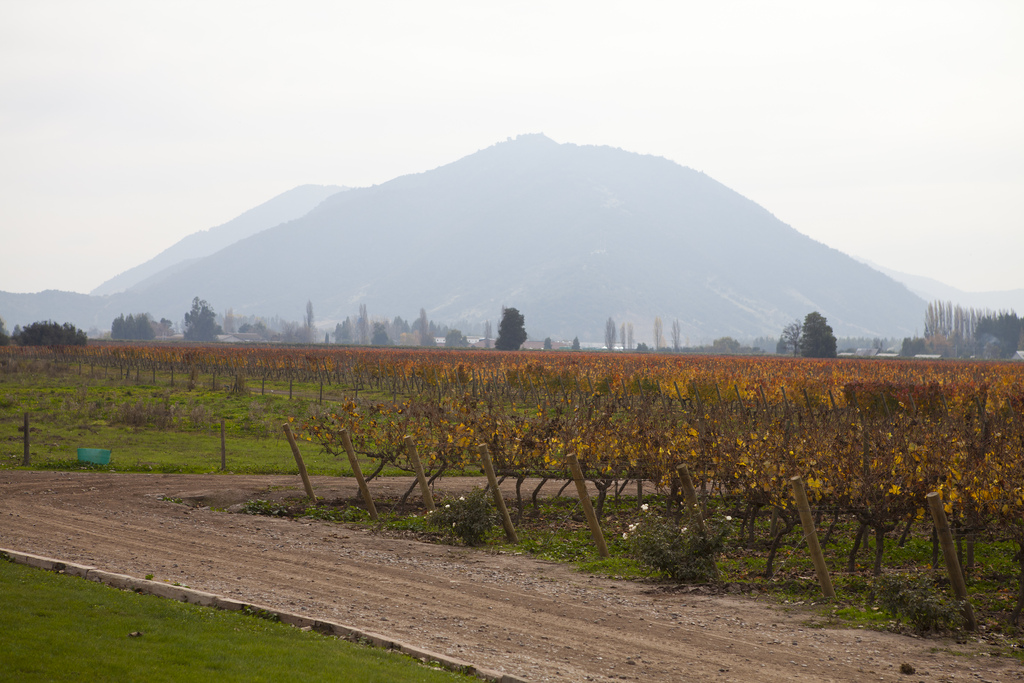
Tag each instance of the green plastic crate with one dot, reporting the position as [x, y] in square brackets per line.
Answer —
[98, 456]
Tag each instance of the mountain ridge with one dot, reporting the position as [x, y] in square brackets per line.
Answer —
[568, 234]
[284, 207]
[931, 289]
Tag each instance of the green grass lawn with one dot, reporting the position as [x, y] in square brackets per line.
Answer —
[63, 628]
[159, 427]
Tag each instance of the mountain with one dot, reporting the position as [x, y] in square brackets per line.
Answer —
[284, 207]
[930, 289]
[570, 235]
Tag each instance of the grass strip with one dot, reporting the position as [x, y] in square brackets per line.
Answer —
[63, 628]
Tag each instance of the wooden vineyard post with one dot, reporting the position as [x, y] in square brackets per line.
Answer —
[298, 461]
[499, 502]
[588, 509]
[27, 459]
[346, 441]
[428, 500]
[690, 493]
[223, 450]
[956, 577]
[811, 534]
[693, 505]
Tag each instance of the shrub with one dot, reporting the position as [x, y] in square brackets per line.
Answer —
[467, 518]
[680, 553]
[915, 600]
[328, 514]
[142, 413]
[265, 507]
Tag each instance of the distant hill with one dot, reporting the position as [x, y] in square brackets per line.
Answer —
[570, 235]
[933, 290]
[282, 208]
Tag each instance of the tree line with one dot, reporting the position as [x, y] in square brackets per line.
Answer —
[956, 331]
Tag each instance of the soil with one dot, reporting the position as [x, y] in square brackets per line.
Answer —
[539, 621]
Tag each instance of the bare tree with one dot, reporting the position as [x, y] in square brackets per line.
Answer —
[422, 328]
[487, 334]
[363, 326]
[659, 338]
[622, 337]
[629, 337]
[791, 335]
[609, 334]
[676, 336]
[229, 321]
[307, 322]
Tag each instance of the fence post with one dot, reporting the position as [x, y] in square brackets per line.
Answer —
[428, 500]
[811, 534]
[499, 502]
[223, 451]
[298, 461]
[690, 493]
[27, 460]
[353, 462]
[588, 509]
[956, 577]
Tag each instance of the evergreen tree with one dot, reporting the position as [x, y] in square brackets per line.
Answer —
[511, 330]
[455, 339]
[49, 333]
[999, 334]
[380, 335]
[201, 322]
[344, 331]
[133, 327]
[817, 340]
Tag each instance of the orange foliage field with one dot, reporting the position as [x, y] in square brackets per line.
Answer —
[870, 437]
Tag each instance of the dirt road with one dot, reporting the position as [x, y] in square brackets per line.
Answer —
[537, 620]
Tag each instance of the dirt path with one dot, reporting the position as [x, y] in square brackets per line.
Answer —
[537, 620]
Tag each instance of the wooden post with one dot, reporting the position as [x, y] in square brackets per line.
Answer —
[956, 577]
[811, 534]
[289, 388]
[353, 462]
[499, 502]
[588, 509]
[223, 451]
[298, 461]
[690, 494]
[27, 460]
[428, 500]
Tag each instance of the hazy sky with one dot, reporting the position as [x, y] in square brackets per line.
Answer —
[888, 130]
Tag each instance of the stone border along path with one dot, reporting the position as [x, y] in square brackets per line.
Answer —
[203, 599]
